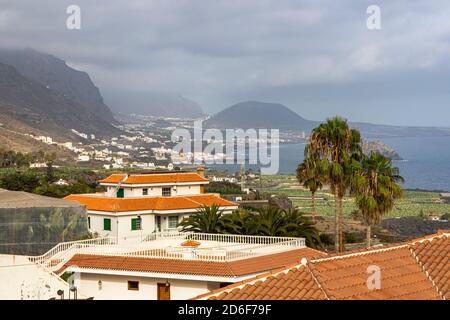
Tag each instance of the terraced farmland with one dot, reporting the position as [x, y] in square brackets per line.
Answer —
[414, 203]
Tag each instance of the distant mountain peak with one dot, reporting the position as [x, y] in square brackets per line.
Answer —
[258, 114]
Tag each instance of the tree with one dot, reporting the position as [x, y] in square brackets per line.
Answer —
[240, 221]
[49, 159]
[206, 220]
[376, 188]
[311, 174]
[267, 221]
[339, 145]
[298, 225]
[270, 222]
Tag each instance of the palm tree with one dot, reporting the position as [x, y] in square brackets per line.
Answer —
[240, 221]
[311, 174]
[270, 222]
[296, 224]
[206, 220]
[376, 188]
[340, 145]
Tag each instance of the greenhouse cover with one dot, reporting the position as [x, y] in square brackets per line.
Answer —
[31, 224]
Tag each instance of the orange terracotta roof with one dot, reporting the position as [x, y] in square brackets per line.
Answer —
[193, 267]
[98, 203]
[114, 178]
[153, 178]
[295, 284]
[401, 277]
[190, 243]
[414, 270]
[433, 256]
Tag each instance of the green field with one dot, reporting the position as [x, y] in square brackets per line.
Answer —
[413, 203]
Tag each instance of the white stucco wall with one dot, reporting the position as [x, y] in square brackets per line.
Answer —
[116, 287]
[147, 225]
[155, 191]
[96, 225]
[22, 280]
[121, 225]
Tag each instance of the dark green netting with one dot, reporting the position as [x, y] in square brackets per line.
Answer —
[33, 231]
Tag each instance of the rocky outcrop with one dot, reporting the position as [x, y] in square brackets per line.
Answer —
[382, 148]
[281, 202]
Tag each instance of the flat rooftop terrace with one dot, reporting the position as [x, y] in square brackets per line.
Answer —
[174, 245]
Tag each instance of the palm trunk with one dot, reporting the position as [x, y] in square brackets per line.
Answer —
[336, 224]
[368, 235]
[313, 206]
[341, 226]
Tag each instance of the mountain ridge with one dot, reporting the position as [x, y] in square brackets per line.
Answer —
[257, 114]
[157, 104]
[54, 73]
[49, 111]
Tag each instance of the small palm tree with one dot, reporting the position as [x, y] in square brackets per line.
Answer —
[311, 173]
[206, 220]
[376, 188]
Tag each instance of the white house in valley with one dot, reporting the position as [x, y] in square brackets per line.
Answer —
[139, 204]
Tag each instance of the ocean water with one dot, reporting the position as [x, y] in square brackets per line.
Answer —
[426, 163]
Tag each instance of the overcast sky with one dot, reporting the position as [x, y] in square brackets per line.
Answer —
[317, 57]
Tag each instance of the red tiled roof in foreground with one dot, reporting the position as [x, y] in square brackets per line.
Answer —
[100, 203]
[155, 177]
[194, 267]
[418, 269]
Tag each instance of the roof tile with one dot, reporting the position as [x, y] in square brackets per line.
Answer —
[419, 269]
[154, 177]
[107, 204]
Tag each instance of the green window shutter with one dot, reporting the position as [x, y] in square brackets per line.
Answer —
[135, 224]
[107, 224]
[120, 193]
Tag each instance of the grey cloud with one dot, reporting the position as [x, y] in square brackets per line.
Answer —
[317, 57]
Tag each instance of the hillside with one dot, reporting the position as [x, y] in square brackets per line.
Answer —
[54, 74]
[39, 107]
[170, 105]
[13, 137]
[255, 114]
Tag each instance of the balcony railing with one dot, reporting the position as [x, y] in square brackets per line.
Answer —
[167, 245]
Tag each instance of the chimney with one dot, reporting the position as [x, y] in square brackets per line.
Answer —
[201, 171]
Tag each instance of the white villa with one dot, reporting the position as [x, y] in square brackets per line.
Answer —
[170, 266]
[139, 204]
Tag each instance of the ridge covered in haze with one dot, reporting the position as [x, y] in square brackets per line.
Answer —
[41, 91]
[150, 103]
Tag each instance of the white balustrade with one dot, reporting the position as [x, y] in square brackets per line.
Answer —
[167, 245]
